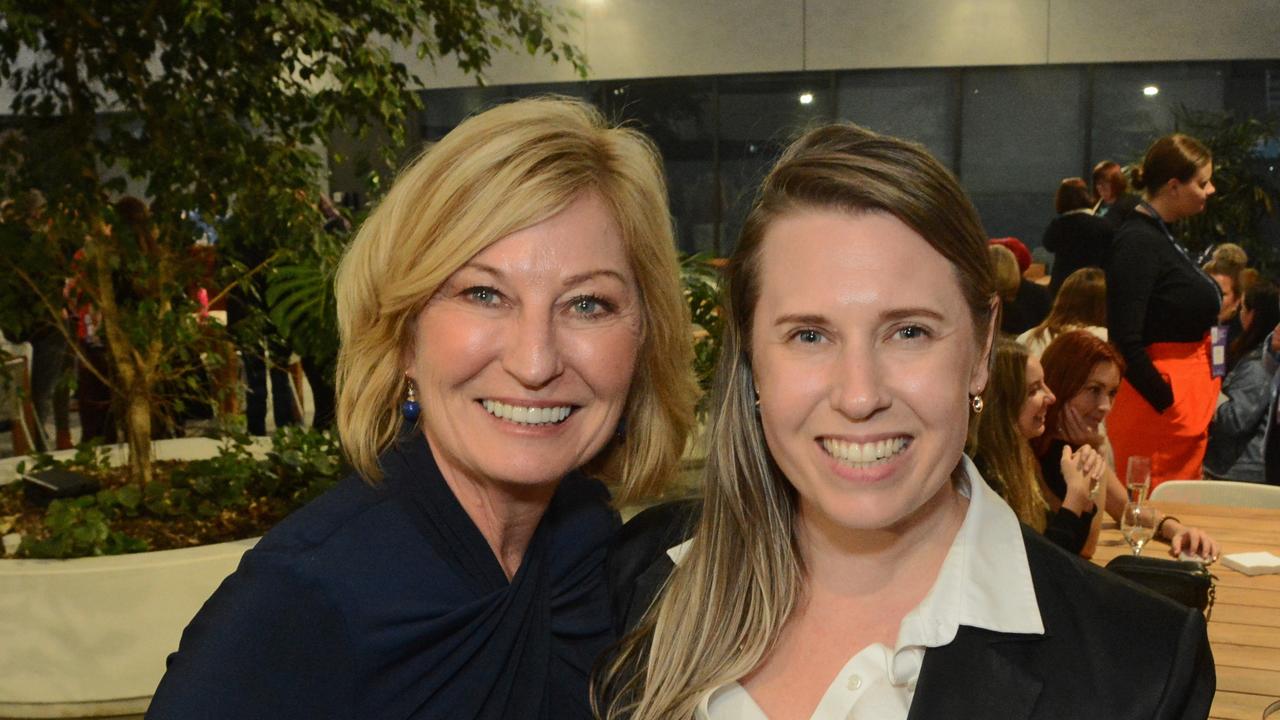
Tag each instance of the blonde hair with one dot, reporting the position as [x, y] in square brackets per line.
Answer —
[500, 171]
[726, 603]
[1005, 266]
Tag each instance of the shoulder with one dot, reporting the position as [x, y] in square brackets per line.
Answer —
[1112, 636]
[349, 508]
[638, 564]
[1083, 603]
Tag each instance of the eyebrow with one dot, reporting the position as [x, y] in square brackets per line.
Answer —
[568, 282]
[889, 316]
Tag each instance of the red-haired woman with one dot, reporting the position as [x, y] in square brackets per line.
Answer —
[1085, 373]
[1160, 307]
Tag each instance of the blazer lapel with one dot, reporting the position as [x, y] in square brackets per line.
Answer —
[980, 674]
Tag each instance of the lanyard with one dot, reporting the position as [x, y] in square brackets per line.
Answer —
[1181, 251]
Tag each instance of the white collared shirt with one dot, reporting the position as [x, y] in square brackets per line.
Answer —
[984, 582]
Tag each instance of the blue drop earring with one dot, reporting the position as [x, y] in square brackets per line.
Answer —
[410, 408]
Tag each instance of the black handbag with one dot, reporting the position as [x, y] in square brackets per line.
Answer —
[1189, 583]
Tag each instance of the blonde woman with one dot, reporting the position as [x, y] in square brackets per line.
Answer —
[848, 560]
[512, 333]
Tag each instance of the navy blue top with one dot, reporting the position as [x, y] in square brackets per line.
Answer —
[387, 602]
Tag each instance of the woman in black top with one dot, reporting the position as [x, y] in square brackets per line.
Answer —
[1160, 307]
[1076, 237]
[1016, 408]
[1085, 373]
[1115, 202]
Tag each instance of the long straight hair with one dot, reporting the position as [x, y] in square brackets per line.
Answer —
[1081, 302]
[727, 602]
[1008, 464]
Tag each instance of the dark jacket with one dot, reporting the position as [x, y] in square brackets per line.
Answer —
[1077, 240]
[1110, 649]
[387, 602]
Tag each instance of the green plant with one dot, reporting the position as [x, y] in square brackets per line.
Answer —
[1248, 189]
[235, 483]
[221, 108]
[701, 280]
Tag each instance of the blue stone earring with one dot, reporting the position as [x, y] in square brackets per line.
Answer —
[410, 408]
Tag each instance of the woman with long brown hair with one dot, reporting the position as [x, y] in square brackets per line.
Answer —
[848, 559]
[1081, 304]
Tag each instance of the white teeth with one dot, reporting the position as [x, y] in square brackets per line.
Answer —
[871, 453]
[527, 415]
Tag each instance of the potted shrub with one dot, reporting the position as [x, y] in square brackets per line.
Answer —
[220, 111]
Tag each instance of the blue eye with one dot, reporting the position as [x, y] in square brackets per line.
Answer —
[481, 294]
[808, 336]
[590, 306]
[912, 332]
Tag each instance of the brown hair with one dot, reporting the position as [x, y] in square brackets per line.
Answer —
[1226, 269]
[1110, 173]
[1067, 363]
[1172, 157]
[1072, 194]
[742, 574]
[1081, 301]
[1006, 460]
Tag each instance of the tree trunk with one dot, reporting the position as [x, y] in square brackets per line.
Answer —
[138, 434]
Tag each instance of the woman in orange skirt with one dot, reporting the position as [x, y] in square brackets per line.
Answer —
[1160, 309]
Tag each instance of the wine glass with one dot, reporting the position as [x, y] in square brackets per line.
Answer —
[1137, 524]
[1137, 477]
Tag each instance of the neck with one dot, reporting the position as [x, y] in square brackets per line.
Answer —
[1163, 207]
[903, 559]
[506, 514]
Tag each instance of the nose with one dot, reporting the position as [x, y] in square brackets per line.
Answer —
[1049, 397]
[1105, 405]
[858, 391]
[1209, 190]
[531, 354]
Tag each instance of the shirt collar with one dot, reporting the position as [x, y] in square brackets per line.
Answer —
[984, 582]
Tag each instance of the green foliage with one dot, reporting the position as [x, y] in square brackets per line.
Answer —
[1247, 190]
[301, 465]
[79, 528]
[222, 108]
[702, 281]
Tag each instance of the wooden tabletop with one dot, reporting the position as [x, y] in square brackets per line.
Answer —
[1245, 627]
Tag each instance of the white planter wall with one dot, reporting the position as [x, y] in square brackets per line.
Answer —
[89, 637]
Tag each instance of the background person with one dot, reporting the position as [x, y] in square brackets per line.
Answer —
[1227, 275]
[1076, 237]
[1086, 372]
[1081, 304]
[1115, 201]
[1017, 402]
[1160, 307]
[848, 560]
[507, 305]
[1237, 434]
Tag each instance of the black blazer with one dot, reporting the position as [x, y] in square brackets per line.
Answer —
[1110, 649]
